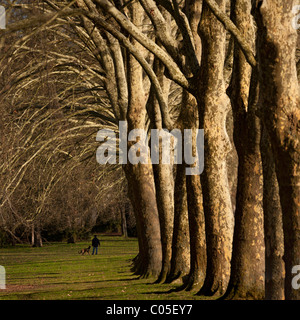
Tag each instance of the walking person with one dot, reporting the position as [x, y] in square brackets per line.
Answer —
[95, 244]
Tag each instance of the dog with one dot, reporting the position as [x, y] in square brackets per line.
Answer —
[86, 250]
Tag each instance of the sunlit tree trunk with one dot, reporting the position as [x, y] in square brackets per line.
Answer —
[163, 172]
[276, 50]
[165, 204]
[190, 120]
[247, 266]
[140, 176]
[141, 181]
[213, 109]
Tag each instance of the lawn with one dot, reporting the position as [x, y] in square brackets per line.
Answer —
[57, 271]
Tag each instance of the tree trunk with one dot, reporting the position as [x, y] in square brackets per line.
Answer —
[190, 120]
[32, 235]
[137, 266]
[197, 233]
[180, 261]
[274, 276]
[164, 183]
[163, 174]
[281, 115]
[140, 176]
[213, 108]
[71, 237]
[247, 266]
[141, 181]
[123, 222]
[36, 236]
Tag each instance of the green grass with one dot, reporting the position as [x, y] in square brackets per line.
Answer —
[57, 271]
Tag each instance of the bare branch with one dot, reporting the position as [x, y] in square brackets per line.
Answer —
[231, 27]
[175, 72]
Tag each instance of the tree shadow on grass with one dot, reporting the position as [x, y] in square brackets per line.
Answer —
[166, 291]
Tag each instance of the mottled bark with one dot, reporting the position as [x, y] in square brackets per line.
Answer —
[281, 116]
[163, 174]
[274, 275]
[213, 108]
[190, 120]
[137, 263]
[165, 203]
[247, 266]
[197, 233]
[141, 181]
[140, 176]
[180, 261]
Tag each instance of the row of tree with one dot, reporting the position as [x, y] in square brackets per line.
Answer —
[215, 65]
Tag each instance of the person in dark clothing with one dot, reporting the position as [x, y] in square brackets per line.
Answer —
[95, 244]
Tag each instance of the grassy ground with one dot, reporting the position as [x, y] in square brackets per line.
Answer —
[57, 271]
